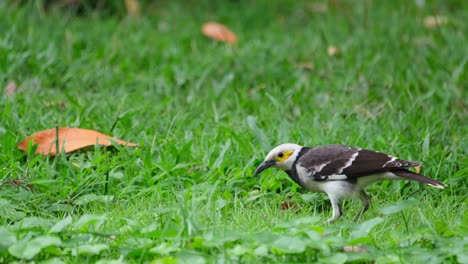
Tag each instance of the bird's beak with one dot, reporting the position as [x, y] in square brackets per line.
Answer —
[265, 165]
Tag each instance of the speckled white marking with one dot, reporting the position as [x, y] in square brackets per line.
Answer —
[391, 160]
[318, 168]
[350, 161]
[335, 177]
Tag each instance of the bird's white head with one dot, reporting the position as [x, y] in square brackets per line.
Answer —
[281, 157]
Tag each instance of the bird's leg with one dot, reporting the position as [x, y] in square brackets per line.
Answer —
[365, 200]
[337, 209]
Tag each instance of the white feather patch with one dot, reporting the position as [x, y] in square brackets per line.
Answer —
[336, 189]
[391, 160]
[335, 177]
[318, 168]
[349, 162]
[303, 173]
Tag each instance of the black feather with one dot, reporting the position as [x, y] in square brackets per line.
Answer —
[293, 172]
[369, 162]
[327, 160]
[409, 175]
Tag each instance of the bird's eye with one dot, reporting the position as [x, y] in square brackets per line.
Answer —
[280, 155]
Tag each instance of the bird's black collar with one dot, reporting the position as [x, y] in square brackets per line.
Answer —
[293, 172]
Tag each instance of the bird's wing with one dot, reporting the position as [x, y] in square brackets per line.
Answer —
[338, 162]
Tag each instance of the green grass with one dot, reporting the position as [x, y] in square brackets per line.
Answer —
[205, 114]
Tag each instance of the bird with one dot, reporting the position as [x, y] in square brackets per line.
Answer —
[340, 171]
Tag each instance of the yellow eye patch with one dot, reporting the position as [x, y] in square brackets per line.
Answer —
[281, 157]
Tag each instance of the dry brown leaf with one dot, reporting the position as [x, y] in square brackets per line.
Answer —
[285, 205]
[20, 183]
[417, 169]
[219, 32]
[421, 42]
[196, 168]
[318, 7]
[59, 104]
[308, 66]
[71, 4]
[256, 89]
[10, 89]
[133, 7]
[333, 51]
[334, 3]
[70, 139]
[356, 248]
[435, 21]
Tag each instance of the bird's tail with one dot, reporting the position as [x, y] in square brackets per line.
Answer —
[409, 175]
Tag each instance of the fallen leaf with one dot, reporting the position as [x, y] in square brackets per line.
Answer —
[333, 51]
[334, 3]
[75, 164]
[371, 113]
[421, 42]
[434, 21]
[59, 104]
[20, 183]
[256, 89]
[219, 32]
[318, 7]
[356, 248]
[308, 66]
[133, 7]
[418, 169]
[196, 168]
[70, 4]
[10, 89]
[70, 139]
[285, 205]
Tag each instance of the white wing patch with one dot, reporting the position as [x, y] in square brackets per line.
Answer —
[318, 168]
[349, 162]
[392, 159]
[335, 177]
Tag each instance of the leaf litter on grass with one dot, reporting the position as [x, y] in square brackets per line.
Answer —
[69, 139]
[10, 89]
[301, 240]
[219, 32]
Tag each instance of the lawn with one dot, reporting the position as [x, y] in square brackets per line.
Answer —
[205, 114]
